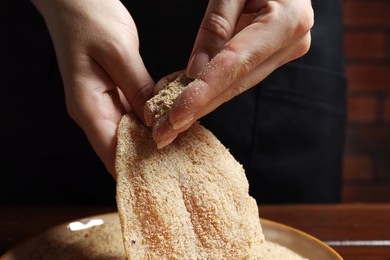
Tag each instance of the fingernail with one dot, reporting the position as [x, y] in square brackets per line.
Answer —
[163, 143]
[196, 64]
[182, 122]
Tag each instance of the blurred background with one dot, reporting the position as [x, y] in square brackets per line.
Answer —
[367, 47]
[34, 118]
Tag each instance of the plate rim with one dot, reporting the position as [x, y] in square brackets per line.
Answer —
[303, 234]
[8, 254]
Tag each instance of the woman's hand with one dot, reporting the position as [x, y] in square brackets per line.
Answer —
[239, 43]
[96, 44]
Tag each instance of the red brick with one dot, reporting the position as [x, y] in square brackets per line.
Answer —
[362, 109]
[365, 45]
[368, 76]
[367, 12]
[383, 167]
[386, 110]
[368, 140]
[358, 168]
[366, 193]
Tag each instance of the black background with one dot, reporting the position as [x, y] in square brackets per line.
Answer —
[45, 155]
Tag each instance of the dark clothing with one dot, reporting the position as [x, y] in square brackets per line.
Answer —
[288, 132]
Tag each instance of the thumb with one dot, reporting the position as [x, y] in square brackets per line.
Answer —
[127, 70]
[217, 28]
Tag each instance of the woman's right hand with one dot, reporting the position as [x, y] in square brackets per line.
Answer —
[96, 44]
[239, 43]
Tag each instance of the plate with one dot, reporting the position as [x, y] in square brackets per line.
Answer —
[298, 241]
[78, 240]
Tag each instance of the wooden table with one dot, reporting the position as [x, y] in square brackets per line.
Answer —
[355, 223]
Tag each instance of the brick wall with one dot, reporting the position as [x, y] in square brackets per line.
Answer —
[367, 155]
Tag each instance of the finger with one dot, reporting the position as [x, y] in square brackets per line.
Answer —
[101, 133]
[163, 132]
[94, 102]
[257, 75]
[220, 73]
[239, 57]
[217, 28]
[129, 73]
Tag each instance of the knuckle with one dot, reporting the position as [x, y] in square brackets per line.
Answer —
[237, 90]
[247, 65]
[304, 45]
[217, 24]
[300, 20]
[114, 47]
[305, 22]
[71, 111]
